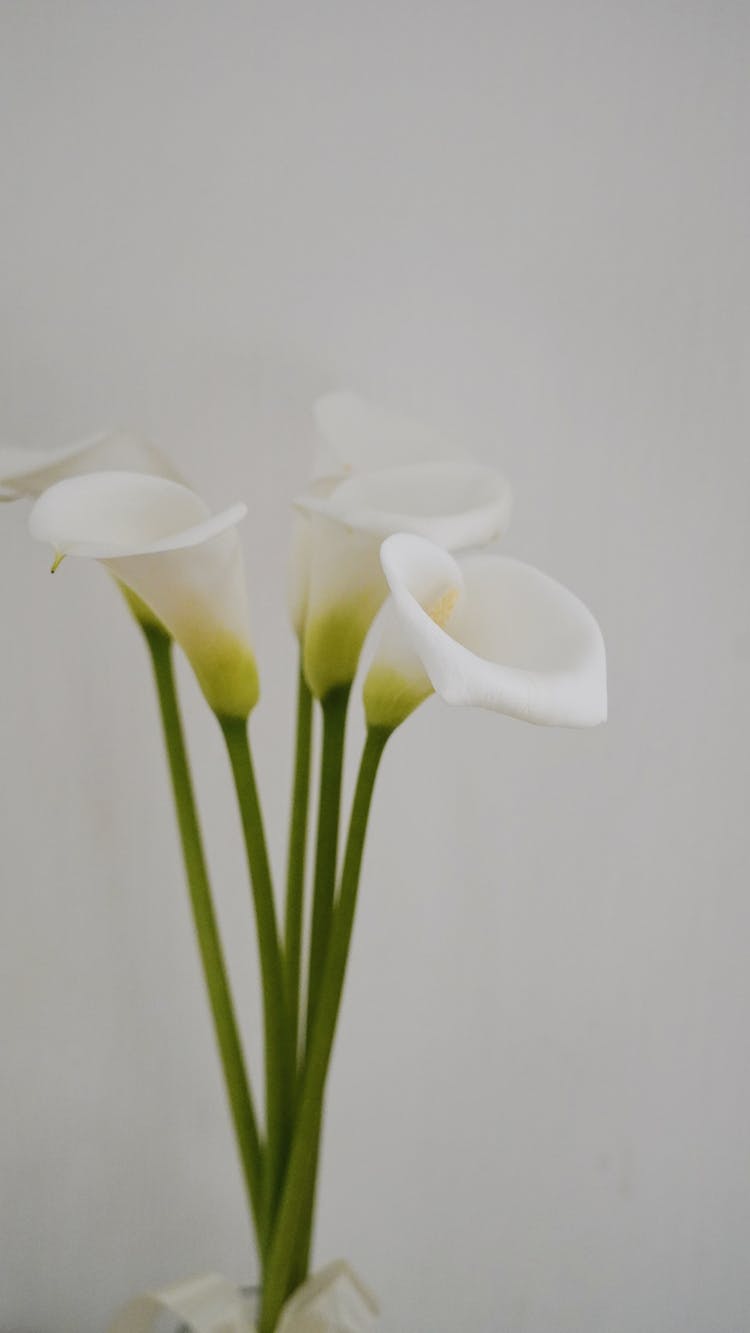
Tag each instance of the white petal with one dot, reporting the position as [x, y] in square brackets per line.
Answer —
[14, 460]
[300, 556]
[360, 436]
[29, 472]
[457, 505]
[516, 641]
[333, 1300]
[346, 591]
[160, 540]
[397, 681]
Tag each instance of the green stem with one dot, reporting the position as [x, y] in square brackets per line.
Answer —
[278, 1053]
[334, 707]
[209, 943]
[295, 884]
[300, 1265]
[326, 853]
[280, 1258]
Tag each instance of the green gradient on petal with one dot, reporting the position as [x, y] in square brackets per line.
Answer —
[389, 696]
[334, 638]
[223, 662]
[225, 667]
[143, 613]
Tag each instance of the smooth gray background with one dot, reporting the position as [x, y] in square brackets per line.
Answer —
[526, 223]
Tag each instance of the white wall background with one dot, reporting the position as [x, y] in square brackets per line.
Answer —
[526, 223]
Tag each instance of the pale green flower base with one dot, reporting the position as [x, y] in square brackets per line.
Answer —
[226, 669]
[333, 641]
[389, 696]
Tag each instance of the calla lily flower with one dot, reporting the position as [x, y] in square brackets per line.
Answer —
[300, 561]
[355, 436]
[359, 436]
[484, 630]
[162, 543]
[456, 505]
[28, 472]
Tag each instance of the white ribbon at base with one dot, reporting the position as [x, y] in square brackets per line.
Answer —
[331, 1301]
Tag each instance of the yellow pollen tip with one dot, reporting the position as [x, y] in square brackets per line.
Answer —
[56, 563]
[440, 611]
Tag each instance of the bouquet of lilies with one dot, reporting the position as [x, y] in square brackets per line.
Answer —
[389, 538]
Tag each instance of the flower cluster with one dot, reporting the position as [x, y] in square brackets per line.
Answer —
[394, 528]
[388, 501]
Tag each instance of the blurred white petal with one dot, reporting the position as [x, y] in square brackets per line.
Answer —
[300, 557]
[354, 436]
[360, 436]
[27, 472]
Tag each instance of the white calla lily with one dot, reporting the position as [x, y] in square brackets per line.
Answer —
[485, 630]
[15, 461]
[162, 543]
[355, 436]
[300, 559]
[456, 505]
[28, 472]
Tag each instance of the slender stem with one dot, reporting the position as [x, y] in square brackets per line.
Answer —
[280, 1257]
[278, 1052]
[300, 1266]
[209, 943]
[326, 853]
[334, 712]
[302, 1247]
[295, 883]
